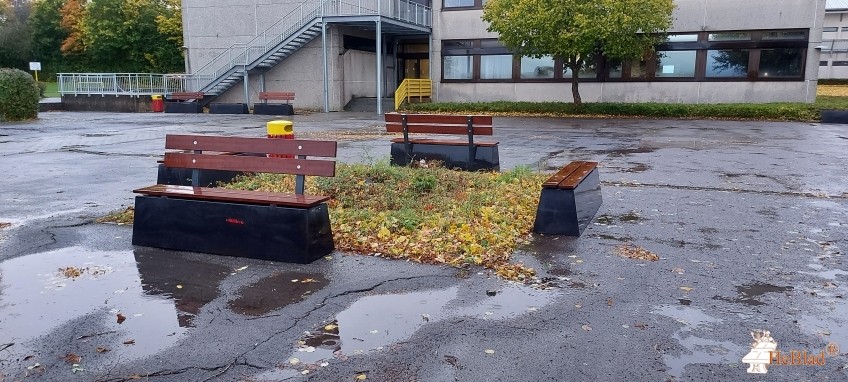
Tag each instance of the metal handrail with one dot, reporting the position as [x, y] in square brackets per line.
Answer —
[242, 55]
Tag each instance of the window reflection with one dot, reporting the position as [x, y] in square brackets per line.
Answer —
[457, 67]
[542, 67]
[781, 62]
[496, 67]
[676, 63]
[727, 63]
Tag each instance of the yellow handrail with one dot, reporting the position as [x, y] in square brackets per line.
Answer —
[413, 87]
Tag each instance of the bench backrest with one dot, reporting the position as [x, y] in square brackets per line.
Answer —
[206, 154]
[439, 124]
[277, 96]
[570, 176]
[185, 95]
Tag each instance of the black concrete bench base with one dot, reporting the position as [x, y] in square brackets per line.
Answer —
[486, 157]
[182, 176]
[569, 212]
[834, 116]
[183, 107]
[293, 235]
[228, 108]
[273, 109]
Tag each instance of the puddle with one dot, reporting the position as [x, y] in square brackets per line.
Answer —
[629, 217]
[639, 167]
[683, 301]
[611, 237]
[276, 291]
[374, 323]
[625, 152]
[698, 350]
[191, 284]
[77, 283]
[748, 292]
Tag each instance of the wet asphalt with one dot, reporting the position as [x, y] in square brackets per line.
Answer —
[749, 219]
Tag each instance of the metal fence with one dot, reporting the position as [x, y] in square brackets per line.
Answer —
[131, 84]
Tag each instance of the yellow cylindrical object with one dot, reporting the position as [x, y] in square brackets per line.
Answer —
[156, 97]
[279, 128]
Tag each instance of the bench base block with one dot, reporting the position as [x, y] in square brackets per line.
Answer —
[182, 176]
[228, 108]
[183, 107]
[273, 109]
[834, 116]
[486, 158]
[292, 235]
[569, 212]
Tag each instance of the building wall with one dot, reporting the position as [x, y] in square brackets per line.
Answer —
[835, 56]
[689, 16]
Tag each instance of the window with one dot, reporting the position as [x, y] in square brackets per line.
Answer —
[830, 29]
[496, 67]
[840, 63]
[680, 63]
[533, 68]
[464, 4]
[457, 67]
[727, 63]
[781, 63]
[682, 38]
[822, 63]
[785, 35]
[730, 36]
[589, 70]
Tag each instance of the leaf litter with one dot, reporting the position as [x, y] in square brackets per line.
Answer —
[635, 252]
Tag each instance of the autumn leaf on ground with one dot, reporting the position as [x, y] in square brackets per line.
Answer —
[71, 272]
[635, 252]
[5, 225]
[640, 325]
[587, 328]
[129, 342]
[686, 288]
[679, 271]
[135, 376]
[361, 377]
[72, 358]
[489, 351]
[101, 349]
[121, 318]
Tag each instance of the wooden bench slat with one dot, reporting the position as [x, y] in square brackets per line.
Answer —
[555, 179]
[252, 145]
[236, 196]
[440, 119]
[573, 180]
[185, 95]
[444, 142]
[251, 164]
[430, 128]
[277, 96]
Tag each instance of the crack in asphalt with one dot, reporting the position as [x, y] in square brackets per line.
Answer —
[103, 153]
[738, 190]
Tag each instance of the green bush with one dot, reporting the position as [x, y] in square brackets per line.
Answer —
[19, 95]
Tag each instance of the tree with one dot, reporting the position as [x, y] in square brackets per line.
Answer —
[15, 36]
[578, 30]
[48, 36]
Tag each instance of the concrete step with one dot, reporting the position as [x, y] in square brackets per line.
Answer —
[369, 104]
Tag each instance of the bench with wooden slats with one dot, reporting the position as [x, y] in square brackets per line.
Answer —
[276, 96]
[468, 126]
[185, 96]
[266, 108]
[210, 219]
[569, 200]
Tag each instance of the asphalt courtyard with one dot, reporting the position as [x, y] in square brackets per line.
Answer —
[749, 219]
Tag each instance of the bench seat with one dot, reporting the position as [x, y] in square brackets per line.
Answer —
[569, 200]
[452, 142]
[233, 196]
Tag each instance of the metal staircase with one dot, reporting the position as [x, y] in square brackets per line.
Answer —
[287, 36]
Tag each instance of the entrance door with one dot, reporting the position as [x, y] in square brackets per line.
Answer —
[416, 68]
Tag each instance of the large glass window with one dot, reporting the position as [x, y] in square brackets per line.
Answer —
[682, 38]
[785, 35]
[537, 67]
[781, 63]
[458, 3]
[496, 67]
[727, 63]
[457, 67]
[679, 63]
[730, 36]
[588, 70]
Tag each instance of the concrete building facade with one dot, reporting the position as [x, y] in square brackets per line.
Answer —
[834, 48]
[717, 51]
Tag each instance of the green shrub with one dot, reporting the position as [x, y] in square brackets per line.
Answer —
[19, 95]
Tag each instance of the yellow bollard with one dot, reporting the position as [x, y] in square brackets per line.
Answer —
[280, 129]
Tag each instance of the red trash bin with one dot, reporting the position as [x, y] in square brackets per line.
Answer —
[158, 104]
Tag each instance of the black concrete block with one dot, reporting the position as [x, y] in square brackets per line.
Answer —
[569, 212]
[834, 116]
[273, 109]
[485, 158]
[294, 235]
[183, 107]
[228, 108]
[182, 176]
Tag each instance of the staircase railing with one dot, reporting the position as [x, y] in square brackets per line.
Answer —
[413, 87]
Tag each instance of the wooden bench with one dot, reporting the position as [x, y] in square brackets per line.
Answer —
[184, 102]
[466, 154]
[569, 200]
[263, 225]
[266, 108]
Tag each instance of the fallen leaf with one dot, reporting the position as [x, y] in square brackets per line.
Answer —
[425, 317]
[304, 281]
[578, 306]
[324, 364]
[328, 257]
[121, 318]
[304, 372]
[129, 342]
[587, 328]
[636, 252]
[489, 351]
[374, 331]
[330, 327]
[360, 377]
[241, 268]
[609, 302]
[36, 365]
[294, 361]
[72, 358]
[101, 349]
[679, 271]
[640, 325]
[29, 357]
[179, 286]
[76, 368]
[135, 376]
[5, 225]
[686, 288]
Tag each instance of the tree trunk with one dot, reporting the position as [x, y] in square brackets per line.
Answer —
[575, 65]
